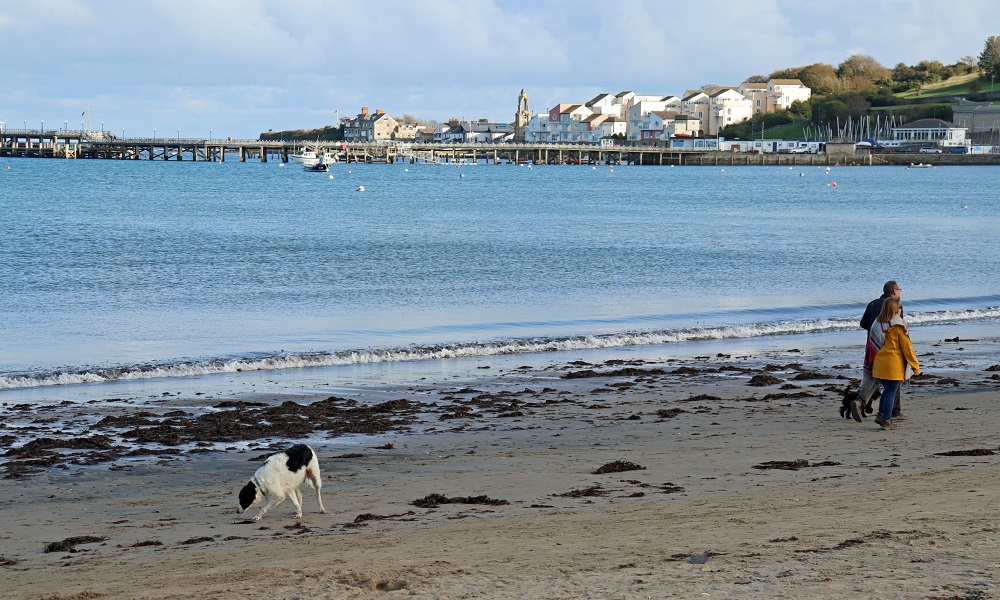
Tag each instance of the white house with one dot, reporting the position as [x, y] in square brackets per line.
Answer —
[605, 104]
[932, 132]
[697, 104]
[782, 92]
[673, 124]
[640, 125]
[484, 132]
[728, 107]
[756, 93]
[776, 94]
[567, 122]
[538, 129]
[602, 126]
[452, 132]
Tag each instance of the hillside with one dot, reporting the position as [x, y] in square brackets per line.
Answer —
[953, 86]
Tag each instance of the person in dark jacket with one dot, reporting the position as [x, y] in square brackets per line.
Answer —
[891, 289]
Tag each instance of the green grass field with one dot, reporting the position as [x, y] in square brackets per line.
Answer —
[956, 86]
[792, 131]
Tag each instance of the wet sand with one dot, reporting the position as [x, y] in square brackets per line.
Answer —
[743, 481]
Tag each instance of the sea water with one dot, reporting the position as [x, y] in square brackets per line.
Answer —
[115, 271]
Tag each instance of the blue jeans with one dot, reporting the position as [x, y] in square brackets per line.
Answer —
[888, 399]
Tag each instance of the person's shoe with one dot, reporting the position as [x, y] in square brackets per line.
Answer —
[887, 425]
[879, 419]
[856, 411]
[899, 417]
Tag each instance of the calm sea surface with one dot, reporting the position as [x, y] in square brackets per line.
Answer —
[113, 270]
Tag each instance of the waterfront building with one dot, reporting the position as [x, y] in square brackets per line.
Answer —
[976, 117]
[931, 132]
[640, 113]
[368, 127]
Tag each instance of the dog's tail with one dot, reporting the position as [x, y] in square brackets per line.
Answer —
[313, 474]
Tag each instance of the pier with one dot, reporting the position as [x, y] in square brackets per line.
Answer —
[69, 144]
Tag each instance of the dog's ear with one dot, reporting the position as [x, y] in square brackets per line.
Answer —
[248, 495]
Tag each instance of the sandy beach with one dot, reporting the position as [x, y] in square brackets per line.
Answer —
[731, 477]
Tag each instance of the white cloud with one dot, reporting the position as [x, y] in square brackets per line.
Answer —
[249, 65]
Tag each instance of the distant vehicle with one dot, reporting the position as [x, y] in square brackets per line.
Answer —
[958, 150]
[928, 150]
[800, 151]
[863, 145]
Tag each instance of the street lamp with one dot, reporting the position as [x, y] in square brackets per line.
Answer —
[66, 127]
[123, 134]
[210, 134]
[154, 135]
[43, 125]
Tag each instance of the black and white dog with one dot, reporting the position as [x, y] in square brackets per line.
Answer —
[851, 396]
[281, 476]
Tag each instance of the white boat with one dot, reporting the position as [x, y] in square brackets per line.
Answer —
[320, 164]
[920, 166]
[305, 156]
[309, 157]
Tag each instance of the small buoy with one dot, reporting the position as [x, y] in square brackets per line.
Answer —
[963, 206]
[348, 172]
[612, 170]
[591, 168]
[331, 176]
[802, 174]
[462, 175]
[406, 170]
[281, 164]
[723, 170]
[671, 166]
[790, 168]
[361, 188]
[834, 184]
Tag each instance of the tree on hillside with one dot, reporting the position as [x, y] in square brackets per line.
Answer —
[820, 78]
[856, 104]
[862, 73]
[862, 65]
[969, 61]
[756, 79]
[989, 59]
[834, 111]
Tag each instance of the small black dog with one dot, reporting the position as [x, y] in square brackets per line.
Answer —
[850, 396]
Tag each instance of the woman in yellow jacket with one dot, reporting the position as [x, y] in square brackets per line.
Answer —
[890, 363]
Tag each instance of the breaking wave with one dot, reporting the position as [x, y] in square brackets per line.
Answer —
[278, 361]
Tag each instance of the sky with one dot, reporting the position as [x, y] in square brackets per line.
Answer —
[236, 68]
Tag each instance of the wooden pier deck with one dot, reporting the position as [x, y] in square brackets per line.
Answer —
[97, 145]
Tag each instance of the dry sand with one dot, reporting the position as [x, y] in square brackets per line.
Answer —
[890, 518]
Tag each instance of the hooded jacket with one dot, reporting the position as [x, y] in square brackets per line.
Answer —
[895, 353]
